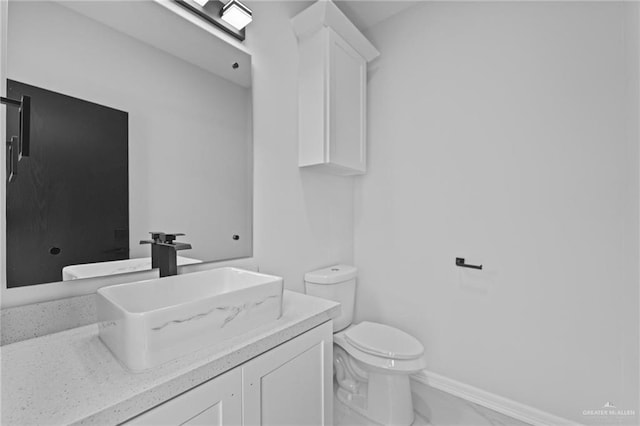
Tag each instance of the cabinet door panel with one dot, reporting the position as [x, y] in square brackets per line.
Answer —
[347, 105]
[292, 383]
[210, 416]
[216, 402]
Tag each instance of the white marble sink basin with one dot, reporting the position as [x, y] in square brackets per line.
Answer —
[100, 269]
[147, 323]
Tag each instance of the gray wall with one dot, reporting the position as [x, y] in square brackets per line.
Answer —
[507, 133]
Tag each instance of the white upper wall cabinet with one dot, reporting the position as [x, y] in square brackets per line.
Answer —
[332, 90]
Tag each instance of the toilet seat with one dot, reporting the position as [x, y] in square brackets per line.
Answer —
[384, 341]
[376, 354]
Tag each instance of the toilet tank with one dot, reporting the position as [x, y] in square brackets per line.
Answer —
[337, 283]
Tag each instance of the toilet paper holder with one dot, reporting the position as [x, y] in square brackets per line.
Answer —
[460, 263]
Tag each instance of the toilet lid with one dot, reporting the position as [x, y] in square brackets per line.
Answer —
[383, 340]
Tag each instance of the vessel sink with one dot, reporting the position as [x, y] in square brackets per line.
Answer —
[147, 323]
[100, 269]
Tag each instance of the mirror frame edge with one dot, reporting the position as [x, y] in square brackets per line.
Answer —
[4, 14]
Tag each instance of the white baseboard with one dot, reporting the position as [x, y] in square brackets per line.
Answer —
[491, 401]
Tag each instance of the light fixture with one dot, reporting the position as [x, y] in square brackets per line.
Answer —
[231, 17]
[236, 14]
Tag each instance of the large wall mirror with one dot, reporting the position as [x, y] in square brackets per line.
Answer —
[173, 103]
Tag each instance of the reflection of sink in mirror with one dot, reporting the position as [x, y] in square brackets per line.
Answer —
[147, 323]
[99, 269]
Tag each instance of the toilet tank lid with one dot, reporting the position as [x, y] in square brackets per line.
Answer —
[331, 275]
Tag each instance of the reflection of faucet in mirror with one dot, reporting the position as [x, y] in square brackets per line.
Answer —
[164, 252]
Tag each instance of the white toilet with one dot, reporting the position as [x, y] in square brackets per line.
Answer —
[372, 362]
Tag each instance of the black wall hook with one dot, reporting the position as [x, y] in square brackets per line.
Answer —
[13, 156]
[24, 106]
[18, 146]
[460, 262]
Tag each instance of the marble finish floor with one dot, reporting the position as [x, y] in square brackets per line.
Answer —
[434, 408]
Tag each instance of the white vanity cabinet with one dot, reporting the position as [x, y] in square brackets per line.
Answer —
[213, 403]
[333, 58]
[290, 384]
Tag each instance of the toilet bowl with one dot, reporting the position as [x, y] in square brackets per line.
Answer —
[372, 362]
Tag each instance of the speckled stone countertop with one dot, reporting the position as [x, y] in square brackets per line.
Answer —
[71, 377]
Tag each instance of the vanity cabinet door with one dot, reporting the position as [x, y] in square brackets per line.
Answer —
[216, 402]
[292, 383]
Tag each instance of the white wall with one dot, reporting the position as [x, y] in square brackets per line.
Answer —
[189, 135]
[506, 133]
[303, 220]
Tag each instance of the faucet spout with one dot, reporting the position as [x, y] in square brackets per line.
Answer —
[163, 252]
[176, 246]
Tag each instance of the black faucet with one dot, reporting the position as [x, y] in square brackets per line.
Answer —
[163, 252]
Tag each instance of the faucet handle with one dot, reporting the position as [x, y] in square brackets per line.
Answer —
[157, 236]
[170, 238]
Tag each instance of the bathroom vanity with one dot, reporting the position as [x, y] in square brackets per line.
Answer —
[279, 373]
[283, 386]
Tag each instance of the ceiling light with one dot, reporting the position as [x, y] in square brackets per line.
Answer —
[236, 14]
